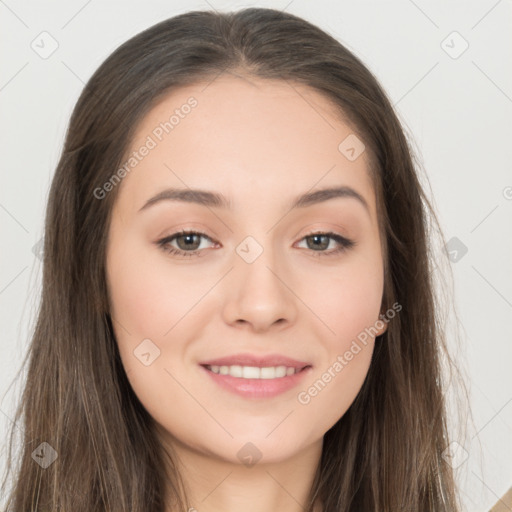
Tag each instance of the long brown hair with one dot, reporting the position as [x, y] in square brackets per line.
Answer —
[386, 452]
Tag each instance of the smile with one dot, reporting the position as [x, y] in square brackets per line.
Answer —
[256, 382]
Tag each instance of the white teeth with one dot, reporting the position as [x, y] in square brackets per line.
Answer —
[253, 372]
[268, 373]
[250, 372]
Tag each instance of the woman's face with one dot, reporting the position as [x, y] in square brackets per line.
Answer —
[253, 286]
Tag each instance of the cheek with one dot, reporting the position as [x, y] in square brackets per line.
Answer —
[145, 304]
[146, 298]
[347, 300]
[151, 300]
[349, 306]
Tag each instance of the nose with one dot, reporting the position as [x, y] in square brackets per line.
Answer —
[259, 295]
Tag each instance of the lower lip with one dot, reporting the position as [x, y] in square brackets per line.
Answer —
[258, 388]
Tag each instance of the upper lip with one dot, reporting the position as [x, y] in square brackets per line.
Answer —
[256, 361]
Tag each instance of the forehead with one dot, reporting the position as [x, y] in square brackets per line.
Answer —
[268, 137]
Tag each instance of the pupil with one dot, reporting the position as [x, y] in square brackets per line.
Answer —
[317, 238]
[188, 238]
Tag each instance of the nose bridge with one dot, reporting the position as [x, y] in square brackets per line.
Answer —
[256, 267]
[257, 293]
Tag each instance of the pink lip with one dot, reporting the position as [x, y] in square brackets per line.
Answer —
[257, 361]
[257, 388]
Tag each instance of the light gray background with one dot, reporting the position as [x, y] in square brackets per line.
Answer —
[457, 107]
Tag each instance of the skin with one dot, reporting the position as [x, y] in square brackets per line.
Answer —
[261, 144]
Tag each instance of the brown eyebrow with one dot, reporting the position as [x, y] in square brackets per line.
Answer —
[216, 200]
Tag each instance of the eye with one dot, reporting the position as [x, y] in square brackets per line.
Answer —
[185, 241]
[189, 243]
[320, 240]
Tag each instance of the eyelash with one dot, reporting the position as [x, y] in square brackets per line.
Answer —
[344, 243]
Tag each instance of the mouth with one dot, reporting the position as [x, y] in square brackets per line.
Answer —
[256, 378]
